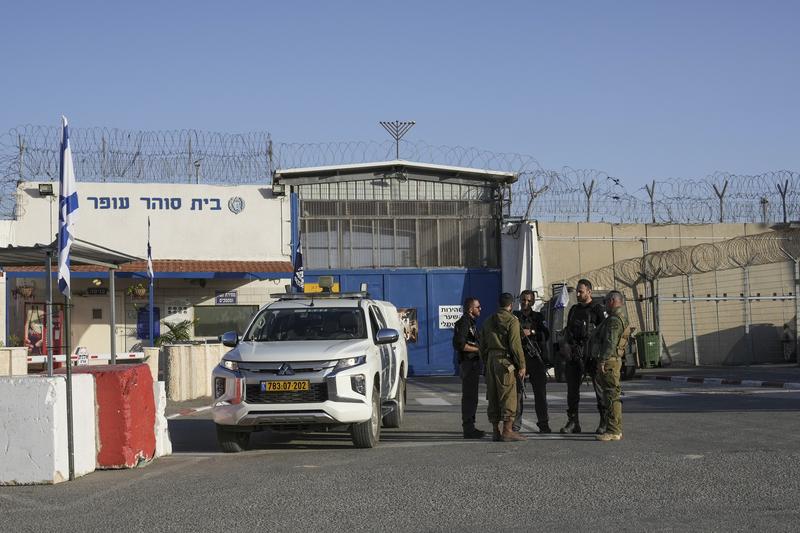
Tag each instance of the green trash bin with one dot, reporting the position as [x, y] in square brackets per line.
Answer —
[647, 344]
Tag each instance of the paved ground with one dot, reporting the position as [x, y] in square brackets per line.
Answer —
[694, 457]
[789, 372]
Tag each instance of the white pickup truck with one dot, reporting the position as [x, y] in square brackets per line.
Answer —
[312, 361]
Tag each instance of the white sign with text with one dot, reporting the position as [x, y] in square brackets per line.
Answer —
[448, 315]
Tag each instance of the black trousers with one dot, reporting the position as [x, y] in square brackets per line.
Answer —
[574, 373]
[537, 373]
[470, 372]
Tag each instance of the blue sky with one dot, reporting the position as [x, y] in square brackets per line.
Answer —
[640, 89]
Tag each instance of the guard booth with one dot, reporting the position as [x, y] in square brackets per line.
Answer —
[421, 236]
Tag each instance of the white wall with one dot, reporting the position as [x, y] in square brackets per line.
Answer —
[115, 215]
[521, 260]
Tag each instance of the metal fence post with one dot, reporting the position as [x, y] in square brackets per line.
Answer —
[692, 318]
[748, 314]
[797, 309]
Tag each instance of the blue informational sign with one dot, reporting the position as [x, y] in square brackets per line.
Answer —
[142, 317]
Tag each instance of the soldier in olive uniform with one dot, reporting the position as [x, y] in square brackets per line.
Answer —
[612, 339]
[501, 352]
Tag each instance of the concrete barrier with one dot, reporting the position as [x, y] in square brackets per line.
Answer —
[151, 358]
[125, 414]
[33, 428]
[13, 361]
[163, 442]
[188, 368]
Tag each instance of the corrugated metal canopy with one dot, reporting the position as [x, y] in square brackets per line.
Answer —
[82, 253]
[397, 164]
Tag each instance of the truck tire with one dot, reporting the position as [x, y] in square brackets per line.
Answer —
[367, 434]
[232, 441]
[395, 418]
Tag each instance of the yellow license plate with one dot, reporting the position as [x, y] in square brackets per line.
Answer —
[285, 386]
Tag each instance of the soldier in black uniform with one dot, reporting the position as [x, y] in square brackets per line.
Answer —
[465, 342]
[583, 318]
[533, 332]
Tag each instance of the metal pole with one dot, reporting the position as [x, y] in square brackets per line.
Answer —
[48, 269]
[747, 314]
[151, 312]
[797, 309]
[693, 318]
[65, 334]
[113, 315]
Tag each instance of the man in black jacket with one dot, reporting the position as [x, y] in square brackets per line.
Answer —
[465, 342]
[534, 333]
[582, 320]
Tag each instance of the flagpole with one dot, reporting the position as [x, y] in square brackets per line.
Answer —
[150, 302]
[67, 215]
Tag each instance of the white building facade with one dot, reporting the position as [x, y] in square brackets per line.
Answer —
[218, 253]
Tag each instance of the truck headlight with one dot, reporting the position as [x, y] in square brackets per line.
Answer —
[230, 365]
[350, 362]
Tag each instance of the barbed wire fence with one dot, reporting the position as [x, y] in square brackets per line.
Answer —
[639, 277]
[31, 153]
[739, 252]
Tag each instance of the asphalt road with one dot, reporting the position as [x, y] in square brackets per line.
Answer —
[699, 458]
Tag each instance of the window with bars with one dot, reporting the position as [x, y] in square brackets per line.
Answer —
[400, 242]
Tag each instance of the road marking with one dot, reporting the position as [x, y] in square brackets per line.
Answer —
[432, 401]
[634, 393]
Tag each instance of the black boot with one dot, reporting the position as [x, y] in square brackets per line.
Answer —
[602, 427]
[573, 426]
[544, 427]
[471, 432]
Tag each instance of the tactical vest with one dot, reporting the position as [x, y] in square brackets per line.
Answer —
[622, 344]
[582, 323]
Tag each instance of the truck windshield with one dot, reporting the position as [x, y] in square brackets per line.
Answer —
[307, 324]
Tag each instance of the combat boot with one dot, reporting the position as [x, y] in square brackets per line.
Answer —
[602, 427]
[606, 437]
[509, 435]
[496, 436]
[544, 427]
[471, 432]
[573, 426]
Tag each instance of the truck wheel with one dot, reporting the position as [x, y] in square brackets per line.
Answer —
[231, 441]
[395, 418]
[367, 434]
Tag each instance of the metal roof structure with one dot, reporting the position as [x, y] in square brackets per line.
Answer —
[81, 253]
[394, 166]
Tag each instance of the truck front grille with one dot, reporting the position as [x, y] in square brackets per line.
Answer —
[317, 393]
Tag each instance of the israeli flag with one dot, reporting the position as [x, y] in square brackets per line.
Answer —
[563, 298]
[298, 283]
[67, 209]
[150, 273]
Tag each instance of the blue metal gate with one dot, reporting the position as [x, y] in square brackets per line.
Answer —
[425, 290]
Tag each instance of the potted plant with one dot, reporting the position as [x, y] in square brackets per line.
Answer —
[137, 290]
[177, 332]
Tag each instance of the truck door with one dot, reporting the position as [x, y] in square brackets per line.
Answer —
[387, 353]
